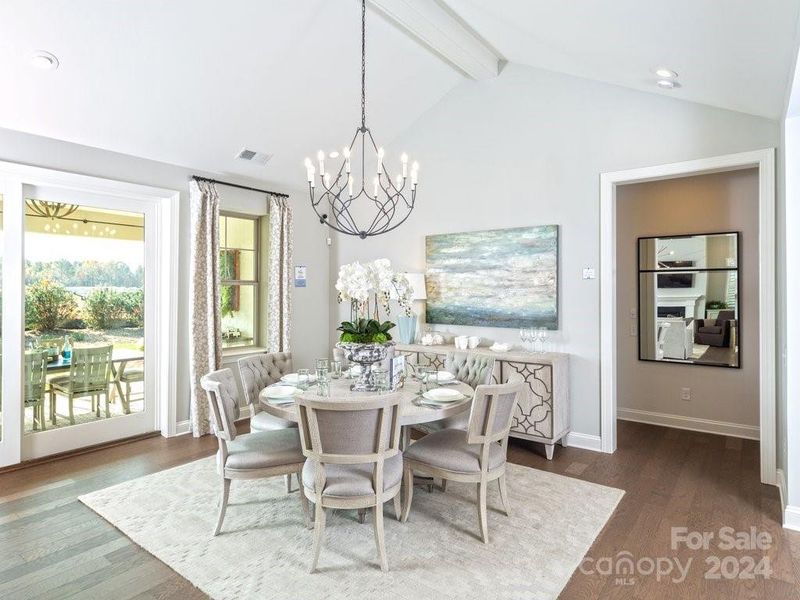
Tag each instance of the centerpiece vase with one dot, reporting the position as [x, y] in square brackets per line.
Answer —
[365, 355]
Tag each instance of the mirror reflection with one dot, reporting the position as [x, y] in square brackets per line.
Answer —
[689, 299]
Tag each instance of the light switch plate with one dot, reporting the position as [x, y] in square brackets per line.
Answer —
[588, 273]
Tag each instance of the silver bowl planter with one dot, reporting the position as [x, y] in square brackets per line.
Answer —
[365, 355]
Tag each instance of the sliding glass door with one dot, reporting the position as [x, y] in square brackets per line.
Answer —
[78, 319]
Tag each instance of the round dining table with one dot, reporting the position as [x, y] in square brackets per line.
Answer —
[412, 411]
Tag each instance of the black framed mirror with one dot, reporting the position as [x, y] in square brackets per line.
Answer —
[689, 303]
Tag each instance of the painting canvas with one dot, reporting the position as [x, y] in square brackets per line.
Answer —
[495, 278]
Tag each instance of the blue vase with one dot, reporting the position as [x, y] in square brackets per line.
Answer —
[407, 329]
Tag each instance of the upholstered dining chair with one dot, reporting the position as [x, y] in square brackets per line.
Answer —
[256, 373]
[469, 368]
[35, 371]
[353, 460]
[254, 455]
[89, 376]
[477, 455]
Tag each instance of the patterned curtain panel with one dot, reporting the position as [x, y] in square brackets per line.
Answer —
[279, 294]
[206, 320]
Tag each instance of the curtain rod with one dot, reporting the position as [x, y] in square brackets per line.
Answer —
[241, 187]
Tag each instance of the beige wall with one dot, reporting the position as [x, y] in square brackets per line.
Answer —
[702, 204]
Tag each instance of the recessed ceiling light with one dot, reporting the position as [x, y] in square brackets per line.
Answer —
[333, 154]
[44, 61]
[665, 83]
[665, 73]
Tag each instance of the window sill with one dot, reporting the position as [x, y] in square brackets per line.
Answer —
[230, 355]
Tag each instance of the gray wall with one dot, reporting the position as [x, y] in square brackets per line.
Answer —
[707, 203]
[527, 148]
[310, 322]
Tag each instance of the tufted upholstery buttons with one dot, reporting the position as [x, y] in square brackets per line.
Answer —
[261, 370]
[257, 372]
[472, 369]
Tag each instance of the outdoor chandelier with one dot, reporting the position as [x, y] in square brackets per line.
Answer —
[50, 210]
[387, 202]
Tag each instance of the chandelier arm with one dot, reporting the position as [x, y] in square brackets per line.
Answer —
[383, 213]
[345, 211]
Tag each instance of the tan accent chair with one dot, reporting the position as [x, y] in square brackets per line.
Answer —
[89, 375]
[251, 455]
[35, 372]
[354, 460]
[258, 372]
[475, 456]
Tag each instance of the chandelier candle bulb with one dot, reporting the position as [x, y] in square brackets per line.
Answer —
[321, 158]
[375, 188]
[327, 180]
[350, 186]
[346, 153]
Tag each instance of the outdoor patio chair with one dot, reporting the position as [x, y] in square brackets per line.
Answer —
[89, 376]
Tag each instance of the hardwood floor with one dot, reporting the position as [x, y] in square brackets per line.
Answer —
[51, 546]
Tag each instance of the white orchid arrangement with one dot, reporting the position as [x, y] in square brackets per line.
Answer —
[359, 282]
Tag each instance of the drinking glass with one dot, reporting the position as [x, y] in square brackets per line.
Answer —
[380, 377]
[302, 378]
[322, 363]
[322, 374]
[424, 375]
[323, 387]
[336, 369]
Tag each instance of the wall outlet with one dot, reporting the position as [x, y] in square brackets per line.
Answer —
[686, 394]
[588, 273]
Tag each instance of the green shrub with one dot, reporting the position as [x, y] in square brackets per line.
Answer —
[106, 308]
[48, 305]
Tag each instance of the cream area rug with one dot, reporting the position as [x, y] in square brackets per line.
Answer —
[264, 551]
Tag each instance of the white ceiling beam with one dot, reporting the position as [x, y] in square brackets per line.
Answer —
[438, 28]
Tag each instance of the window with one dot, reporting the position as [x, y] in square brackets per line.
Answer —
[239, 278]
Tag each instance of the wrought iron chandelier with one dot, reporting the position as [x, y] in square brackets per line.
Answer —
[391, 201]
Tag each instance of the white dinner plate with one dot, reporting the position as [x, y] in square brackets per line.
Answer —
[281, 392]
[294, 378]
[443, 395]
[445, 377]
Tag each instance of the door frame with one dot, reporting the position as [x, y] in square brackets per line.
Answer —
[13, 178]
[764, 160]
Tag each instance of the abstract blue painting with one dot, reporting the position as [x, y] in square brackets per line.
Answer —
[494, 278]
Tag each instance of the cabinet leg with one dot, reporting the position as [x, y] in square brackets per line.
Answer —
[548, 448]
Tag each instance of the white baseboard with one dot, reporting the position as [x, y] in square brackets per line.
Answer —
[184, 427]
[791, 518]
[583, 440]
[748, 432]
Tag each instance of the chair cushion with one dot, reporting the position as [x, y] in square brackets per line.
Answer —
[353, 480]
[132, 375]
[710, 329]
[64, 383]
[264, 449]
[448, 449]
[263, 421]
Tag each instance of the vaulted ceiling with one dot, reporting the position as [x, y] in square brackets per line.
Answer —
[192, 82]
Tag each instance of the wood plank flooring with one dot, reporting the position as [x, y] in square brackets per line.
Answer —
[51, 546]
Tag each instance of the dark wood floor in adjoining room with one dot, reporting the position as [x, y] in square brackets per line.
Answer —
[51, 546]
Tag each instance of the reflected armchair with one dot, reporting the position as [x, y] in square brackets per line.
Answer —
[715, 332]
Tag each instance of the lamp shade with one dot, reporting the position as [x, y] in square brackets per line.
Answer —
[417, 281]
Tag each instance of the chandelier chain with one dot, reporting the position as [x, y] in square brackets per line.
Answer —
[363, 63]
